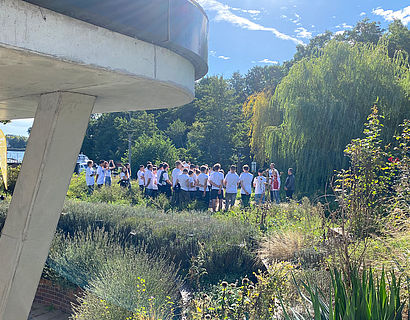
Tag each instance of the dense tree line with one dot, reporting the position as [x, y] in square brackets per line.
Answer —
[18, 142]
[301, 113]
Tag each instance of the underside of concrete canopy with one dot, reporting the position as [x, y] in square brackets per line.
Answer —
[44, 51]
[60, 61]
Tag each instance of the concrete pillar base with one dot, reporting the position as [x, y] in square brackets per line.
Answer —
[55, 141]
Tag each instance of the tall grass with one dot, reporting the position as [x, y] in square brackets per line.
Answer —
[363, 297]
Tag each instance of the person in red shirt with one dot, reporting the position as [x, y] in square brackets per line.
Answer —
[275, 186]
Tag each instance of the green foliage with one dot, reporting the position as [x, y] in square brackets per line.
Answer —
[18, 142]
[364, 188]
[156, 149]
[365, 32]
[228, 244]
[359, 297]
[212, 136]
[398, 38]
[12, 175]
[303, 217]
[247, 300]
[96, 261]
[177, 132]
[325, 99]
[78, 187]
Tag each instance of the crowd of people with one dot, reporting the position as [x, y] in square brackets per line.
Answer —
[209, 186]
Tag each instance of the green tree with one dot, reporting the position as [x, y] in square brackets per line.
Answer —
[364, 31]
[107, 135]
[312, 48]
[155, 148]
[323, 102]
[398, 37]
[263, 78]
[177, 132]
[211, 138]
[102, 139]
[18, 142]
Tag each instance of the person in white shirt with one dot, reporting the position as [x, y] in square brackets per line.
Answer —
[260, 183]
[273, 193]
[183, 181]
[155, 185]
[202, 183]
[149, 181]
[192, 185]
[216, 179]
[245, 180]
[175, 187]
[140, 176]
[100, 177]
[124, 177]
[108, 167]
[231, 183]
[89, 177]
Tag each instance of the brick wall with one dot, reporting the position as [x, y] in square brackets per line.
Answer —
[49, 293]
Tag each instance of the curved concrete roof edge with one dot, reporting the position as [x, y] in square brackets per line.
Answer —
[178, 25]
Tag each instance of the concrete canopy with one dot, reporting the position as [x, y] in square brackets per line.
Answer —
[45, 51]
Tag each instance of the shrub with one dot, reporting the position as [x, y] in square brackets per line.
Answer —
[117, 195]
[155, 148]
[228, 243]
[78, 187]
[125, 278]
[246, 300]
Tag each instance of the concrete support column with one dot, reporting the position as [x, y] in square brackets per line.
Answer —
[55, 141]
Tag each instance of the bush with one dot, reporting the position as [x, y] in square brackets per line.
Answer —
[246, 300]
[78, 187]
[126, 278]
[154, 148]
[228, 243]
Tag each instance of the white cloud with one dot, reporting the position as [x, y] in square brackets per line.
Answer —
[390, 15]
[362, 14]
[212, 53]
[303, 33]
[224, 13]
[296, 19]
[224, 57]
[268, 61]
[340, 32]
[344, 25]
[253, 13]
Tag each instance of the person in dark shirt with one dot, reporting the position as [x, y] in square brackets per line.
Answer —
[290, 184]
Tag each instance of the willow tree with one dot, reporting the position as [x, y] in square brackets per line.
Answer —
[256, 110]
[323, 103]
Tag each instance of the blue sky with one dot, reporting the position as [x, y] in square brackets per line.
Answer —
[245, 33]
